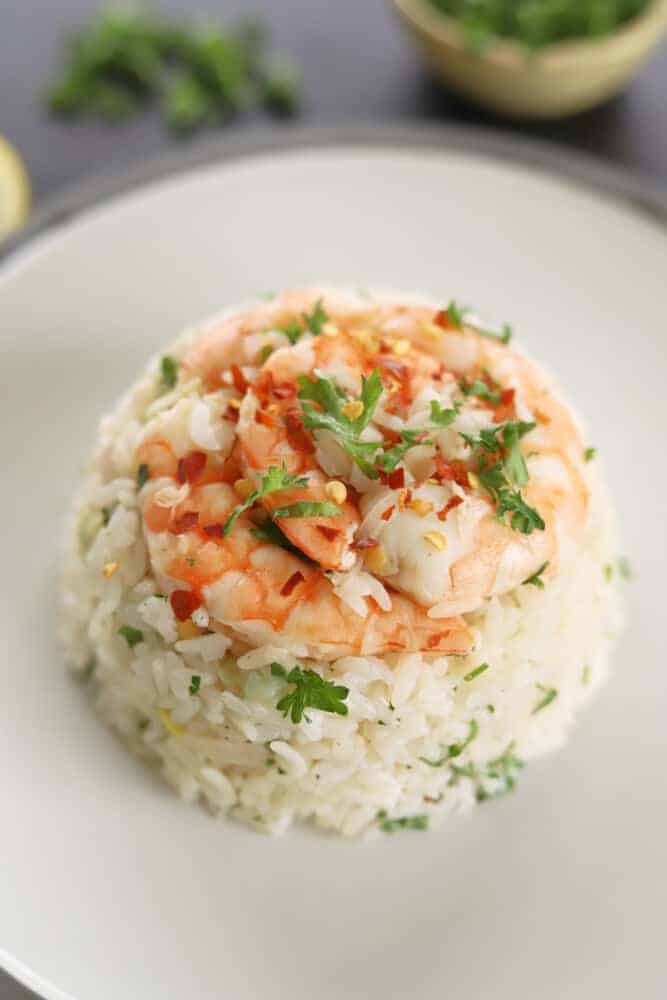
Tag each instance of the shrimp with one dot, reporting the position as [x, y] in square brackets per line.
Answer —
[475, 482]
[258, 592]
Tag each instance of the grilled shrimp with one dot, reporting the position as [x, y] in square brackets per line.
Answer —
[427, 466]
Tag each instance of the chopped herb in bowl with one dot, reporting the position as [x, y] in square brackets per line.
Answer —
[536, 23]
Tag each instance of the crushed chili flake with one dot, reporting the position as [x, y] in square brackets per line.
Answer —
[239, 379]
[385, 516]
[186, 522]
[506, 409]
[214, 530]
[452, 471]
[394, 480]
[361, 544]
[231, 413]
[450, 505]
[329, 533]
[191, 467]
[289, 585]
[296, 435]
[183, 603]
[434, 640]
[264, 418]
[442, 319]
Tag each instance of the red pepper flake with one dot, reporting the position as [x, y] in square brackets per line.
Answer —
[289, 585]
[385, 516]
[442, 319]
[361, 544]
[191, 467]
[296, 435]
[183, 603]
[394, 480]
[232, 414]
[450, 505]
[329, 533]
[213, 530]
[239, 379]
[452, 471]
[264, 418]
[434, 640]
[186, 522]
[506, 409]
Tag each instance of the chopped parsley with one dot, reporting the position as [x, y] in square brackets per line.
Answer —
[500, 466]
[548, 695]
[476, 672]
[370, 456]
[457, 314]
[387, 825]
[313, 322]
[272, 481]
[309, 691]
[481, 390]
[331, 417]
[169, 371]
[142, 476]
[306, 508]
[195, 684]
[536, 579]
[589, 454]
[131, 635]
[503, 769]
[268, 531]
[128, 56]
[455, 749]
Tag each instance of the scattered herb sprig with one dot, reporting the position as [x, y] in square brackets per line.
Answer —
[272, 481]
[387, 825]
[309, 691]
[127, 56]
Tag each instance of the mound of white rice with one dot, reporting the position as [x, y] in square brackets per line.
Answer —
[425, 735]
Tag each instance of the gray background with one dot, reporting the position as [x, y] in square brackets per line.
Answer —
[357, 66]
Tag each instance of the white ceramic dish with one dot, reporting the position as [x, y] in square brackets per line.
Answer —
[111, 888]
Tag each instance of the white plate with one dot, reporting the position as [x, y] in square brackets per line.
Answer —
[109, 887]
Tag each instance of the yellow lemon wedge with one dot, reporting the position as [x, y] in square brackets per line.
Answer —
[14, 190]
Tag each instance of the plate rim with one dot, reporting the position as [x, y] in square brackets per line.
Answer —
[623, 185]
[634, 189]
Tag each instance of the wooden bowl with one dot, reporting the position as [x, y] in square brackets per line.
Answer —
[558, 80]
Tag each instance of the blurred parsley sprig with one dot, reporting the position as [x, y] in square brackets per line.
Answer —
[537, 23]
[128, 56]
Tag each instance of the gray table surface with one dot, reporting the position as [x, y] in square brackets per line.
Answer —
[357, 66]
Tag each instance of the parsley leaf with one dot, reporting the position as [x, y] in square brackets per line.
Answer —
[272, 481]
[329, 397]
[589, 454]
[456, 315]
[498, 474]
[305, 508]
[387, 825]
[550, 694]
[131, 635]
[310, 691]
[472, 674]
[481, 390]
[536, 579]
[268, 531]
[443, 418]
[455, 749]
[316, 319]
[169, 371]
[142, 476]
[195, 684]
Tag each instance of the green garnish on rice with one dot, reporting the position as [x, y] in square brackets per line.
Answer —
[310, 691]
[131, 635]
